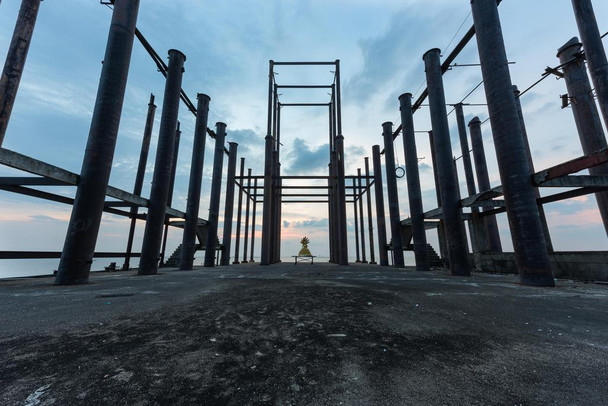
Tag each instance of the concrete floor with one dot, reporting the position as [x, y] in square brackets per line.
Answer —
[306, 334]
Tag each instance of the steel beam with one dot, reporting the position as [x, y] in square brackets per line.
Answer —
[393, 195]
[216, 190]
[380, 219]
[229, 207]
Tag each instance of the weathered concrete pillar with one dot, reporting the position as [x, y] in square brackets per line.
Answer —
[393, 195]
[361, 222]
[267, 210]
[585, 112]
[15, 60]
[139, 177]
[443, 249]
[194, 185]
[239, 208]
[450, 204]
[253, 215]
[372, 256]
[341, 207]
[380, 219]
[413, 183]
[178, 135]
[334, 208]
[595, 54]
[247, 207]
[214, 198]
[330, 215]
[483, 179]
[356, 217]
[161, 180]
[229, 207]
[526, 230]
[79, 245]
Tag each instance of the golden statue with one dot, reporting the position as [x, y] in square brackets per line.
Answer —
[304, 252]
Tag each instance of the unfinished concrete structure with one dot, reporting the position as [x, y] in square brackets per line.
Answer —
[532, 258]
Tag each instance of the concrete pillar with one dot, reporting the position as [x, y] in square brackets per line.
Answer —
[413, 183]
[526, 229]
[483, 179]
[443, 249]
[361, 222]
[214, 199]
[178, 135]
[393, 196]
[372, 256]
[595, 53]
[163, 167]
[334, 208]
[15, 60]
[356, 217]
[253, 215]
[585, 112]
[229, 207]
[239, 208]
[267, 231]
[448, 186]
[139, 177]
[380, 219]
[247, 207]
[79, 245]
[341, 191]
[195, 182]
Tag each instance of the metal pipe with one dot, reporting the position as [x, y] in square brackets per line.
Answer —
[413, 183]
[585, 112]
[267, 209]
[361, 222]
[237, 245]
[246, 235]
[178, 135]
[380, 219]
[229, 207]
[356, 217]
[448, 185]
[526, 230]
[393, 195]
[214, 199]
[253, 214]
[372, 256]
[594, 51]
[483, 180]
[139, 177]
[79, 245]
[15, 60]
[195, 182]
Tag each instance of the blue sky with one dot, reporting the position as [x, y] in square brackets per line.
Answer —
[228, 45]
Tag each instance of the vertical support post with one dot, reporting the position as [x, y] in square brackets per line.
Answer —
[372, 256]
[393, 195]
[595, 54]
[139, 177]
[79, 245]
[253, 215]
[331, 217]
[443, 249]
[178, 135]
[361, 222]
[380, 219]
[15, 60]
[450, 202]
[341, 191]
[585, 112]
[526, 229]
[413, 183]
[483, 180]
[239, 208]
[161, 180]
[229, 207]
[214, 199]
[356, 217]
[194, 185]
[248, 204]
[267, 232]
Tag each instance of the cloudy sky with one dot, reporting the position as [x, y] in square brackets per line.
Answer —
[228, 45]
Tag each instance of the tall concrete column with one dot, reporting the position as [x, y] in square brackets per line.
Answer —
[380, 218]
[443, 249]
[526, 229]
[229, 207]
[79, 245]
[334, 207]
[267, 210]
[239, 207]
[15, 60]
[356, 217]
[595, 54]
[139, 177]
[393, 195]
[178, 135]
[253, 215]
[450, 202]
[413, 183]
[194, 185]
[247, 207]
[483, 180]
[361, 221]
[372, 256]
[214, 198]
[585, 112]
[340, 187]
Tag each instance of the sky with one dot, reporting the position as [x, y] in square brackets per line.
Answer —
[228, 45]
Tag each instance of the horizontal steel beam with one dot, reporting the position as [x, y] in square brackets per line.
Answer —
[488, 203]
[30, 181]
[485, 195]
[304, 86]
[303, 104]
[304, 201]
[577, 181]
[303, 63]
[57, 254]
[572, 166]
[568, 195]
